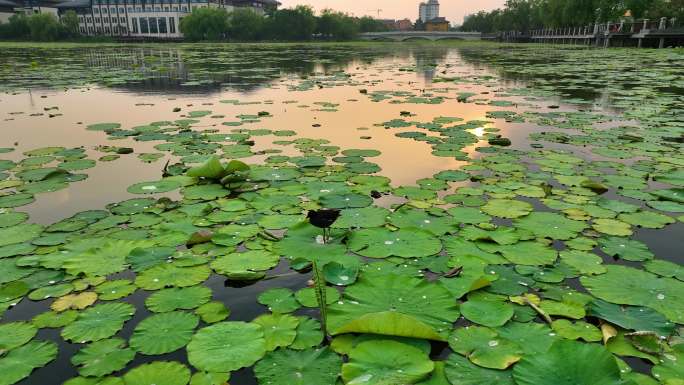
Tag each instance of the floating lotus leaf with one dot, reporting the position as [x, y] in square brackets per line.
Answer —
[255, 260]
[51, 291]
[279, 300]
[452, 175]
[421, 220]
[163, 333]
[632, 317]
[648, 219]
[178, 298]
[627, 249]
[307, 296]
[107, 258]
[205, 192]
[204, 378]
[213, 312]
[674, 177]
[382, 243]
[486, 309]
[612, 227]
[366, 153]
[73, 165]
[339, 274]
[20, 362]
[670, 370]
[304, 367]
[166, 275]
[468, 215]
[459, 370]
[362, 218]
[584, 262]
[550, 225]
[74, 301]
[279, 329]
[154, 187]
[143, 258]
[116, 289]
[628, 286]
[571, 363]
[484, 347]
[98, 322]
[15, 334]
[576, 330]
[12, 218]
[309, 334]
[227, 346]
[53, 319]
[665, 269]
[507, 208]
[158, 372]
[16, 200]
[19, 233]
[103, 126]
[271, 174]
[392, 304]
[9, 271]
[386, 362]
[528, 253]
[567, 309]
[345, 201]
[103, 357]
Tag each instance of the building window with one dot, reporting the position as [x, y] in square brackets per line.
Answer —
[82, 29]
[184, 8]
[162, 25]
[122, 19]
[172, 25]
[89, 19]
[134, 23]
[121, 10]
[144, 28]
[97, 10]
[113, 10]
[97, 19]
[153, 25]
[106, 29]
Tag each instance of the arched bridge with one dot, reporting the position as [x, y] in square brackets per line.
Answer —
[420, 35]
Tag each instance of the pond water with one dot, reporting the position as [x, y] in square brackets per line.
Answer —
[538, 189]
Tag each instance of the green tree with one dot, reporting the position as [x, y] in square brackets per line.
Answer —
[336, 25]
[205, 24]
[16, 28]
[45, 27]
[297, 23]
[70, 22]
[246, 25]
[369, 24]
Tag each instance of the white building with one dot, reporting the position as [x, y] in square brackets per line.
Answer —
[158, 19]
[422, 12]
[428, 11]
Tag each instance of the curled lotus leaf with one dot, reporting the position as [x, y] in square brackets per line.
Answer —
[303, 367]
[386, 362]
[158, 372]
[226, 346]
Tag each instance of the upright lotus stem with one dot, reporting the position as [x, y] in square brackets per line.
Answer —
[319, 287]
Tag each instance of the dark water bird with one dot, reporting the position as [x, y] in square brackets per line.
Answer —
[375, 194]
[323, 218]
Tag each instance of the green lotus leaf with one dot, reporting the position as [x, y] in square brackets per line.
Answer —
[487, 309]
[19, 233]
[529, 253]
[227, 346]
[103, 126]
[567, 309]
[531, 337]
[463, 372]
[419, 219]
[309, 334]
[15, 334]
[571, 363]
[394, 304]
[550, 225]
[382, 243]
[205, 192]
[143, 258]
[9, 271]
[674, 177]
[116, 289]
[670, 370]
[52, 319]
[154, 187]
[303, 367]
[74, 165]
[272, 174]
[612, 227]
[584, 262]
[213, 312]
[51, 291]
[415, 193]
[452, 175]
[279, 300]
[103, 357]
[501, 235]
[577, 330]
[468, 215]
[211, 169]
[20, 362]
[107, 257]
[624, 248]
[98, 322]
[366, 153]
[386, 362]
[665, 269]
[255, 260]
[204, 378]
[345, 201]
[16, 200]
[362, 218]
[280, 221]
[166, 275]
[507, 208]
[12, 218]
[484, 347]
[307, 296]
[163, 333]
[280, 330]
[648, 219]
[628, 286]
[632, 317]
[171, 299]
[158, 372]
[13, 290]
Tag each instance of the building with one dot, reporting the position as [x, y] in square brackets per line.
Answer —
[428, 11]
[437, 24]
[390, 24]
[11, 7]
[404, 25]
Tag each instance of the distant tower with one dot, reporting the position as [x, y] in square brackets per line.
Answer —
[422, 12]
[432, 9]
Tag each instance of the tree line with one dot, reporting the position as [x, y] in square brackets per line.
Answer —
[40, 27]
[525, 15]
[291, 24]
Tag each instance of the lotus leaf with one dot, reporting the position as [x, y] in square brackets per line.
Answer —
[550, 225]
[213, 312]
[103, 357]
[484, 347]
[15, 334]
[386, 362]
[487, 309]
[227, 346]
[279, 330]
[98, 322]
[19, 363]
[461, 371]
[74, 301]
[53, 319]
[507, 208]
[632, 317]
[255, 260]
[166, 275]
[304, 367]
[158, 372]
[279, 300]
[406, 243]
[178, 298]
[309, 334]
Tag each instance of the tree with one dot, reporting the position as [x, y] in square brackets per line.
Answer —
[297, 23]
[70, 22]
[245, 25]
[45, 27]
[336, 25]
[369, 24]
[17, 28]
[205, 24]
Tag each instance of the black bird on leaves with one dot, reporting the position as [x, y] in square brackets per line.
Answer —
[323, 218]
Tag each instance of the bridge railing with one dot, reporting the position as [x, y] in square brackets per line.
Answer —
[621, 27]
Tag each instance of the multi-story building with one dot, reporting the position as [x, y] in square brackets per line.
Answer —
[428, 11]
[158, 19]
[422, 12]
